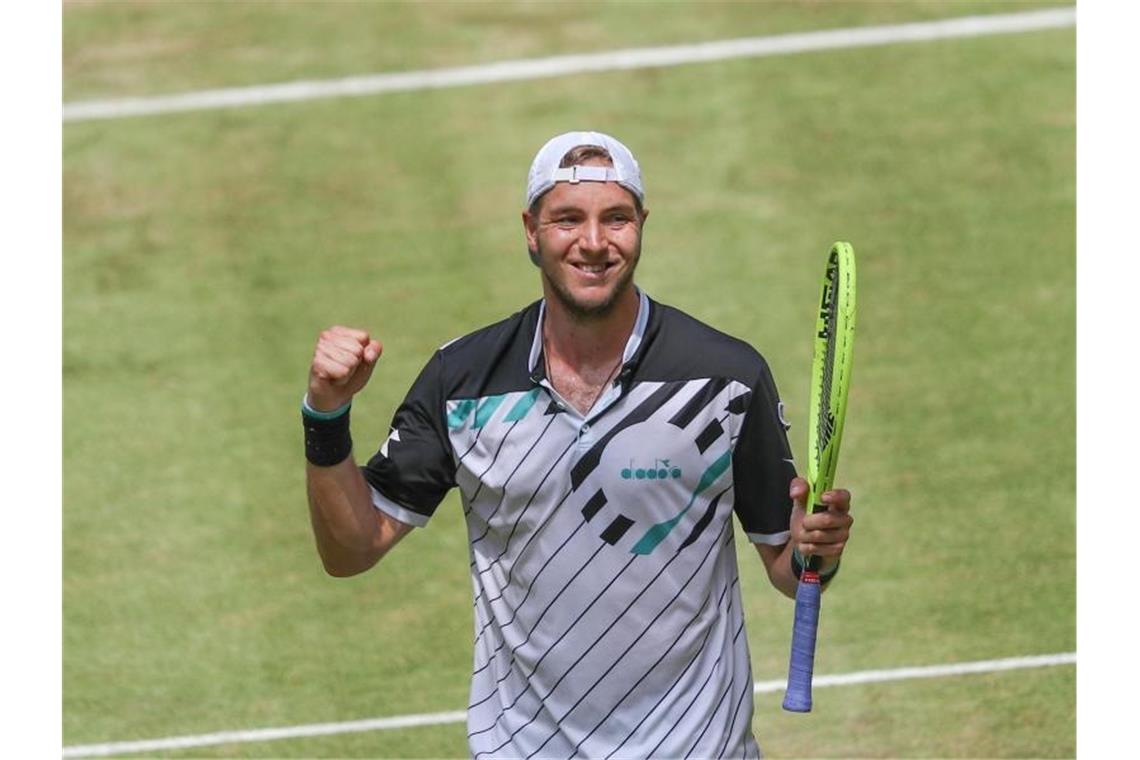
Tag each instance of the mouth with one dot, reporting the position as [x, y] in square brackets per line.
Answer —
[594, 271]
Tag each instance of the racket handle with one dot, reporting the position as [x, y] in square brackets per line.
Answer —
[802, 660]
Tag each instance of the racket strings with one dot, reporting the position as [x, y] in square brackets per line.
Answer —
[825, 420]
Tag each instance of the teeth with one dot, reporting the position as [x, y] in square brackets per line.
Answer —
[592, 269]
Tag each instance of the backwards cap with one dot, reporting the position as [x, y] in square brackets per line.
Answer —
[544, 170]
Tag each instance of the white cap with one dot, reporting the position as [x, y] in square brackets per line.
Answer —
[544, 170]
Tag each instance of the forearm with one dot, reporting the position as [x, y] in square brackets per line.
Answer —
[780, 569]
[345, 523]
[778, 564]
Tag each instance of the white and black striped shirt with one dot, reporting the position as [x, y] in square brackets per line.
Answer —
[608, 616]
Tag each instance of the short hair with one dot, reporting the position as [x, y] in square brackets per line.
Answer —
[583, 153]
[578, 156]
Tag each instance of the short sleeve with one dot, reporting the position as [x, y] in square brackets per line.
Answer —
[763, 466]
[413, 469]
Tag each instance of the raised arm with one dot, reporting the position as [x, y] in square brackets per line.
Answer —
[351, 534]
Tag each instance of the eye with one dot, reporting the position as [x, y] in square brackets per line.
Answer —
[566, 221]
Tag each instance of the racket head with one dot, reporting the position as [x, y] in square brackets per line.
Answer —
[831, 368]
[830, 378]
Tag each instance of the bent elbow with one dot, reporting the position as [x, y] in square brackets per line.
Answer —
[346, 568]
[339, 571]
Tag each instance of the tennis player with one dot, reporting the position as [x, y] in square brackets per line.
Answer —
[601, 442]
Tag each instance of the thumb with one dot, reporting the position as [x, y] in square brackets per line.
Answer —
[358, 379]
[372, 352]
[799, 492]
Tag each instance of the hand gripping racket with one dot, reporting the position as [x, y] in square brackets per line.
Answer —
[830, 377]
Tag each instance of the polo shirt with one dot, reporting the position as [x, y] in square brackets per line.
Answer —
[607, 607]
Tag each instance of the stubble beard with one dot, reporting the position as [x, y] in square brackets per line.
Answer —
[592, 312]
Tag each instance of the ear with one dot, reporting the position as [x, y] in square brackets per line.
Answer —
[530, 229]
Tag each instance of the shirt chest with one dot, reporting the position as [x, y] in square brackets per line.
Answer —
[655, 460]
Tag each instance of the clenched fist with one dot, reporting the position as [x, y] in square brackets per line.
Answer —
[342, 364]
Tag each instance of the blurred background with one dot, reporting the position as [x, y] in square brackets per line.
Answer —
[204, 250]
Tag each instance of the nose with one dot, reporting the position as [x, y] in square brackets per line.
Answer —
[593, 238]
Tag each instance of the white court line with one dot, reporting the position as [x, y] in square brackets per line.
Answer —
[537, 68]
[436, 719]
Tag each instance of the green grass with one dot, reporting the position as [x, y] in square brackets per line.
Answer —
[115, 48]
[203, 253]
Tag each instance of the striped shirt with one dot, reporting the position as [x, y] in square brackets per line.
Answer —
[607, 606]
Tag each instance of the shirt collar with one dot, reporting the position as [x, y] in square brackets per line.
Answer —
[534, 363]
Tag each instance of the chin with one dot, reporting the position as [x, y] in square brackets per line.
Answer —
[590, 301]
[596, 303]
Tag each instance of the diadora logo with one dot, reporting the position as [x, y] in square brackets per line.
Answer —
[661, 470]
[653, 475]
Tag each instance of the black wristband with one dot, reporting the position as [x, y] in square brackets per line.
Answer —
[798, 567]
[327, 442]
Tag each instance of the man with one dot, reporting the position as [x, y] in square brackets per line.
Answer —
[601, 443]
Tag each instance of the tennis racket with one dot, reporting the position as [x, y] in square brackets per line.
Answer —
[830, 377]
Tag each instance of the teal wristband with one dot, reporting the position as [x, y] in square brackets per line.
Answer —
[315, 414]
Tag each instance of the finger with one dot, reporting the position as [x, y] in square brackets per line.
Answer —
[821, 550]
[837, 500]
[348, 355]
[824, 538]
[827, 521]
[338, 357]
[359, 336]
[333, 371]
[342, 341]
[324, 370]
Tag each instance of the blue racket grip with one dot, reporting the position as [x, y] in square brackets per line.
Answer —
[802, 660]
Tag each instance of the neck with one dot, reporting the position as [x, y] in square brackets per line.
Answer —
[593, 341]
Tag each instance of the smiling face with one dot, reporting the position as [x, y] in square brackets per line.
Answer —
[587, 241]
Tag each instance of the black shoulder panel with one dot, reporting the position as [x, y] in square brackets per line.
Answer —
[679, 347]
[492, 360]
